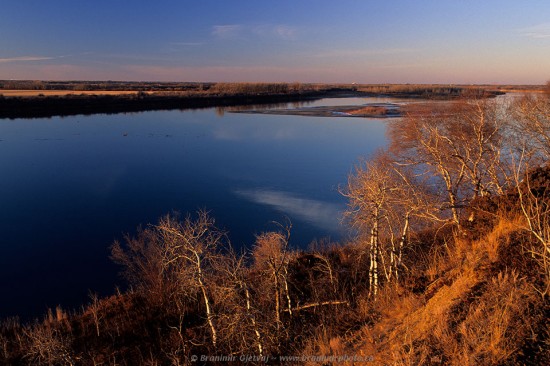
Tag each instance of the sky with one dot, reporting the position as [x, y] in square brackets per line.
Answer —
[318, 41]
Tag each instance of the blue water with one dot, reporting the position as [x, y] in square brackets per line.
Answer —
[71, 186]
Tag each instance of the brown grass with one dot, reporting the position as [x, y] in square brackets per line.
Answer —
[370, 110]
[470, 314]
[51, 93]
[492, 330]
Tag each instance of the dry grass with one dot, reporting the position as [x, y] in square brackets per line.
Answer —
[452, 328]
[326, 346]
[370, 110]
[495, 327]
[51, 93]
[499, 236]
[411, 342]
[438, 263]
[469, 315]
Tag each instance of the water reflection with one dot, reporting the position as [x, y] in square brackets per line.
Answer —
[220, 111]
[251, 131]
[323, 215]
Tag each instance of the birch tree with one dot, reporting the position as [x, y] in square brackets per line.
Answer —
[534, 202]
[271, 259]
[371, 190]
[240, 316]
[189, 246]
[461, 147]
[532, 115]
[385, 202]
[531, 179]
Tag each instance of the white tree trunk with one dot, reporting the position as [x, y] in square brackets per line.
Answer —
[373, 270]
[253, 320]
[209, 315]
[401, 245]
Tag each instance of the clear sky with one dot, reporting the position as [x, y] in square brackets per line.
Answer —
[363, 41]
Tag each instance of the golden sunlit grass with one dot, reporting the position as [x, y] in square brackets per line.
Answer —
[326, 346]
[469, 317]
[370, 110]
[492, 330]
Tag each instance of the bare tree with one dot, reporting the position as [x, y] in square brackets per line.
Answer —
[271, 253]
[385, 201]
[461, 145]
[47, 345]
[239, 313]
[412, 206]
[171, 263]
[533, 195]
[369, 192]
[531, 151]
[141, 259]
[95, 309]
[532, 114]
[478, 132]
[375, 191]
[188, 248]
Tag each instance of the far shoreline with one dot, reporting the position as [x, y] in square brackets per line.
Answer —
[27, 100]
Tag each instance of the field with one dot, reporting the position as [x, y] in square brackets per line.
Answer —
[58, 93]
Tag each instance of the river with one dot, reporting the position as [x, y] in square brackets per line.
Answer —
[71, 186]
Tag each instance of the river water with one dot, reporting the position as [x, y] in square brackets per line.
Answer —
[71, 186]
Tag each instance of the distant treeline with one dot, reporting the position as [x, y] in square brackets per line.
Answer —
[232, 88]
[47, 106]
[101, 85]
[430, 91]
[109, 85]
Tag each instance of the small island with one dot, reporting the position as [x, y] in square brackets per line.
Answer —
[371, 110]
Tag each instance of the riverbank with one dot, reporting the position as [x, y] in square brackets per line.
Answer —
[84, 104]
[36, 99]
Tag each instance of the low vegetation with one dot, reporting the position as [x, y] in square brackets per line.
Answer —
[433, 91]
[371, 110]
[450, 265]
